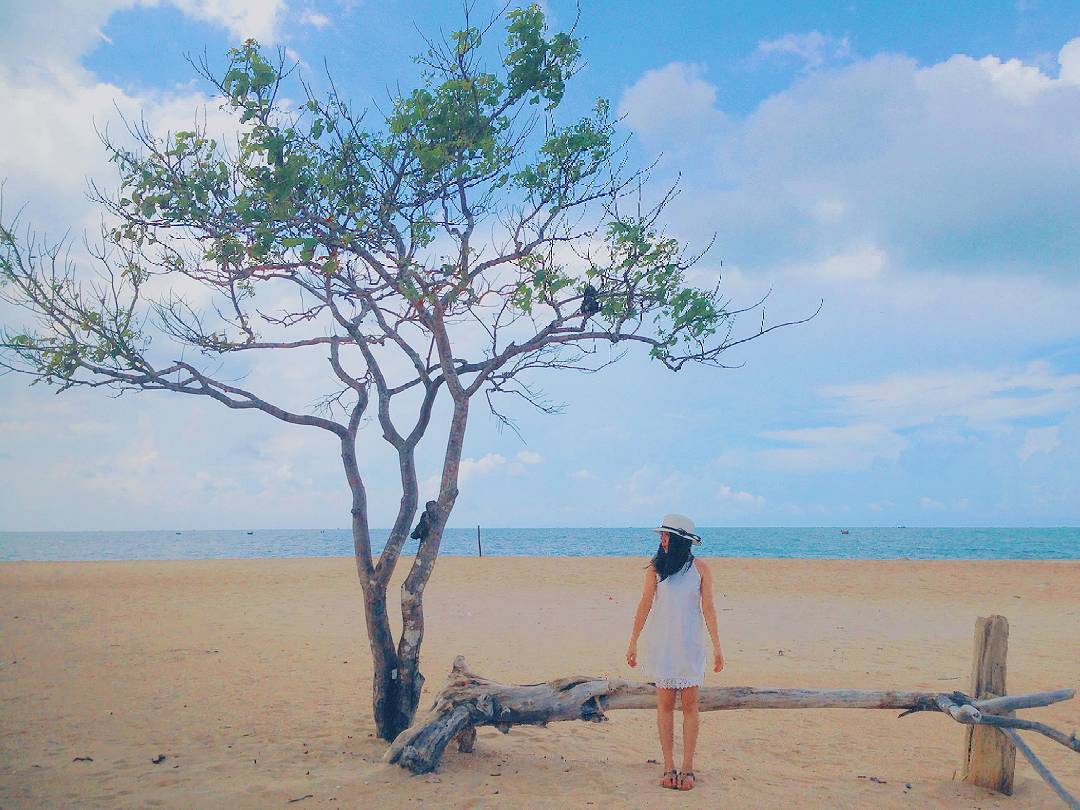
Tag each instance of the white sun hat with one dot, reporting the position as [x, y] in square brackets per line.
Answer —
[680, 525]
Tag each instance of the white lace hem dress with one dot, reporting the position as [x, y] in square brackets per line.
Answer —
[675, 632]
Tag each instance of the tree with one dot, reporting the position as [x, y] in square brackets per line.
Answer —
[377, 234]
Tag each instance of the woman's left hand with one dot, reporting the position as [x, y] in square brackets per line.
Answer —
[631, 655]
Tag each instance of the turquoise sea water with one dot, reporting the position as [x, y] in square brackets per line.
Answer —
[858, 543]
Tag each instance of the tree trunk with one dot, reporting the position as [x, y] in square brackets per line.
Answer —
[412, 619]
[386, 669]
[412, 589]
[385, 676]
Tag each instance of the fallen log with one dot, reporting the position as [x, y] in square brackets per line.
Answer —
[469, 700]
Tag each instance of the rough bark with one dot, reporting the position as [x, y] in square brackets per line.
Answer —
[386, 669]
[469, 700]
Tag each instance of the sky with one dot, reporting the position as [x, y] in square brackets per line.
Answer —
[914, 166]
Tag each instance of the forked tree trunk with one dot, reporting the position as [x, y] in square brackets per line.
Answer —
[385, 674]
[396, 677]
[412, 589]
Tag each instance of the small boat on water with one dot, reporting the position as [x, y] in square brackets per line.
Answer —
[844, 531]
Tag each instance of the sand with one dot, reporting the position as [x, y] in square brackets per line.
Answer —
[252, 677]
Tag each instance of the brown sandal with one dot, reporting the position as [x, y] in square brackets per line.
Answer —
[673, 777]
[682, 776]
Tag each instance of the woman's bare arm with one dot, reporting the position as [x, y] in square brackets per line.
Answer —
[643, 608]
[708, 610]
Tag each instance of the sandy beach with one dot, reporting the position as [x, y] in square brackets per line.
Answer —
[252, 677]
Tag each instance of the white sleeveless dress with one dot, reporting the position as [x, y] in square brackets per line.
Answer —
[675, 632]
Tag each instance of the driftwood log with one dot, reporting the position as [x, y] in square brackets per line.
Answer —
[469, 700]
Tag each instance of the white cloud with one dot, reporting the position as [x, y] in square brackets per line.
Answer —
[726, 493]
[51, 148]
[295, 56]
[313, 18]
[857, 263]
[1069, 60]
[60, 32]
[983, 399]
[929, 503]
[1040, 440]
[485, 465]
[671, 101]
[932, 406]
[242, 18]
[488, 464]
[1015, 80]
[813, 48]
[848, 447]
[583, 474]
[53, 107]
[52, 104]
[54, 33]
[965, 164]
[650, 486]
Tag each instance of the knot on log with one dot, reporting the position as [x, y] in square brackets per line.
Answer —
[592, 711]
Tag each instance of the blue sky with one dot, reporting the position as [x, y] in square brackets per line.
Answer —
[915, 165]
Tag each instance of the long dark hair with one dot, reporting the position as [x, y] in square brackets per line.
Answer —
[677, 557]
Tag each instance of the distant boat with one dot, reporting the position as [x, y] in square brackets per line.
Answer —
[178, 532]
[844, 531]
[251, 532]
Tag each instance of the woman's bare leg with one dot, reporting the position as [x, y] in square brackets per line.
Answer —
[665, 722]
[689, 700]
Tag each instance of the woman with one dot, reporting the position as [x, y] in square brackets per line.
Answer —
[680, 587]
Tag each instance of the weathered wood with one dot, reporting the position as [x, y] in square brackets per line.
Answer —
[466, 740]
[425, 748]
[1013, 702]
[1041, 769]
[631, 695]
[469, 700]
[960, 712]
[989, 756]
[1069, 741]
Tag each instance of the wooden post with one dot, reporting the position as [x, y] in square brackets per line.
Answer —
[989, 756]
[479, 547]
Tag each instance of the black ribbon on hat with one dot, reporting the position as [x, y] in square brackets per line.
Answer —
[681, 532]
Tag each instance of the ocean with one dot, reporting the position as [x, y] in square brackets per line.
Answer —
[836, 543]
